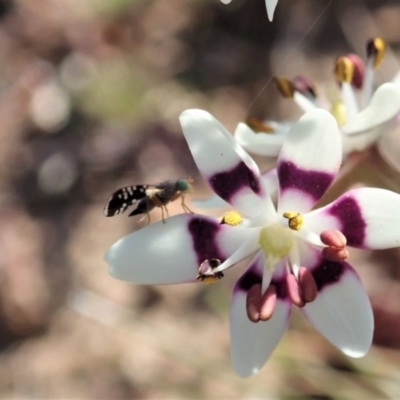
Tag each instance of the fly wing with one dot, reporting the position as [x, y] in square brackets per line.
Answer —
[144, 207]
[123, 198]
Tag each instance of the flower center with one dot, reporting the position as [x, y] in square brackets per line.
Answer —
[276, 242]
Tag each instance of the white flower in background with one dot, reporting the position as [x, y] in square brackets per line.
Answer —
[363, 116]
[291, 263]
[271, 5]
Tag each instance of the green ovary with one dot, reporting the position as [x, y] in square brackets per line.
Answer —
[276, 242]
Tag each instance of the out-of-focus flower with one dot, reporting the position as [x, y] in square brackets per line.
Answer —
[289, 265]
[363, 116]
[271, 5]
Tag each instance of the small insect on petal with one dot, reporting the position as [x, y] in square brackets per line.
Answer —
[147, 197]
[307, 285]
[206, 271]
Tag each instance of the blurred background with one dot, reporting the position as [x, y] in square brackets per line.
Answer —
[90, 94]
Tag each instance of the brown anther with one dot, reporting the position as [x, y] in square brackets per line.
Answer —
[268, 303]
[359, 70]
[333, 238]
[344, 69]
[253, 300]
[376, 49]
[259, 126]
[284, 87]
[335, 254]
[294, 291]
[307, 285]
[304, 86]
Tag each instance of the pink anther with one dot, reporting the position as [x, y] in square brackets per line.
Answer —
[253, 303]
[333, 238]
[260, 307]
[307, 285]
[335, 254]
[268, 303]
[294, 291]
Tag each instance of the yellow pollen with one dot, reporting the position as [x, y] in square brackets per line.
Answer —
[344, 69]
[259, 126]
[378, 48]
[276, 242]
[285, 87]
[295, 220]
[231, 218]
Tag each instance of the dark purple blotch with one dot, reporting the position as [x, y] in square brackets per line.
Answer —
[313, 183]
[353, 226]
[327, 273]
[252, 277]
[281, 288]
[227, 184]
[204, 238]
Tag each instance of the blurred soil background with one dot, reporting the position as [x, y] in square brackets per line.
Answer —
[90, 94]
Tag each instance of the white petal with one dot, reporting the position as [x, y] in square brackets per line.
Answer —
[303, 102]
[349, 100]
[396, 79]
[342, 312]
[309, 161]
[361, 141]
[229, 170]
[172, 252]
[271, 4]
[265, 144]
[270, 177]
[253, 343]
[368, 217]
[385, 105]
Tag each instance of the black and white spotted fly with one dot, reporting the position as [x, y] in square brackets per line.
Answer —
[147, 197]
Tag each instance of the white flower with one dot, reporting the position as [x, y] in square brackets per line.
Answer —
[363, 117]
[288, 267]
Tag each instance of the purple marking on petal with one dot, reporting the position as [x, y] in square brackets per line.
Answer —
[348, 212]
[204, 234]
[281, 288]
[227, 184]
[328, 273]
[251, 278]
[313, 183]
